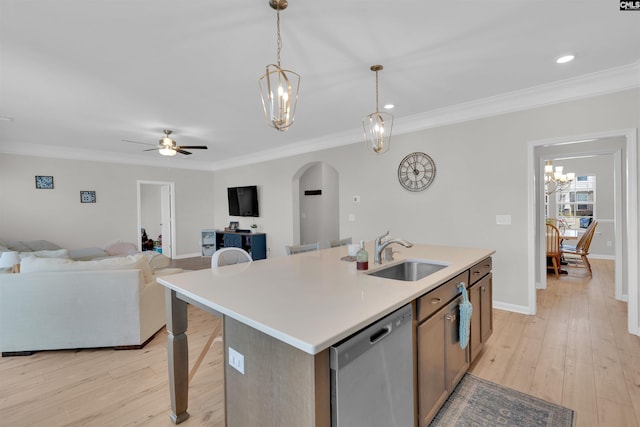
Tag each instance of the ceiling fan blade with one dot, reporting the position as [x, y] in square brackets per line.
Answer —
[179, 150]
[194, 147]
[151, 149]
[137, 142]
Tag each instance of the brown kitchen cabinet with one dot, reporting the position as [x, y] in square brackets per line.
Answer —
[441, 361]
[481, 297]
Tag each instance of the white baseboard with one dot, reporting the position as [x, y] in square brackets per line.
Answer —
[522, 309]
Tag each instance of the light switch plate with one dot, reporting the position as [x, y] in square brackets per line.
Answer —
[503, 219]
[236, 360]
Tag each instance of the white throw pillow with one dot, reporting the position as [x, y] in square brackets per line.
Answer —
[121, 248]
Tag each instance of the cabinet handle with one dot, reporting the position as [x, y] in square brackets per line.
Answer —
[487, 266]
[484, 288]
[462, 284]
[435, 301]
[450, 317]
[475, 273]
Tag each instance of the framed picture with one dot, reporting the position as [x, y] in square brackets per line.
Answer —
[233, 225]
[44, 182]
[87, 197]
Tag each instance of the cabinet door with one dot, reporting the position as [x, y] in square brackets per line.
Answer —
[457, 359]
[481, 297]
[232, 240]
[432, 381]
[475, 337]
[486, 304]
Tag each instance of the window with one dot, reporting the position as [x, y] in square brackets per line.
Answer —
[577, 201]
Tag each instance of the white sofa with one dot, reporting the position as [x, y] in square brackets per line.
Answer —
[62, 304]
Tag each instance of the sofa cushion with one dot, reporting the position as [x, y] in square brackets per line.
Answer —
[35, 264]
[121, 248]
[157, 260]
[42, 245]
[60, 253]
[87, 254]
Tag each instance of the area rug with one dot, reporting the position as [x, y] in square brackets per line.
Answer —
[477, 402]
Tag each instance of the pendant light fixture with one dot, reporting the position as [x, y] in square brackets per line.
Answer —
[377, 126]
[279, 87]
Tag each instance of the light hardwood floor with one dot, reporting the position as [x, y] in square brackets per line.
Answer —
[574, 352]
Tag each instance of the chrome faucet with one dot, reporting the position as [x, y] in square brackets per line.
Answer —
[382, 242]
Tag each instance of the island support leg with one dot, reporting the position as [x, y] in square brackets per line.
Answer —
[178, 357]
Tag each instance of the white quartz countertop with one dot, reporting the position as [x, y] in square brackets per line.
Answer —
[313, 300]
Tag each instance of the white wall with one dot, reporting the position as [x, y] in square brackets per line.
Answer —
[57, 215]
[481, 172]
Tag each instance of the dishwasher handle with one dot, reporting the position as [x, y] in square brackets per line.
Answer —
[380, 334]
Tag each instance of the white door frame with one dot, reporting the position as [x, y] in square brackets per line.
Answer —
[629, 229]
[167, 206]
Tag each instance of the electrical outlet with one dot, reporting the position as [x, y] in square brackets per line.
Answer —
[356, 199]
[236, 360]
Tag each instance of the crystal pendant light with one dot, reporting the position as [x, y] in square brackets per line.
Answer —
[279, 87]
[377, 126]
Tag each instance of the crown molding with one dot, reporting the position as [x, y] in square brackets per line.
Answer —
[586, 86]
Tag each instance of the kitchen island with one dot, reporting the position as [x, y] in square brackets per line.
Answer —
[282, 315]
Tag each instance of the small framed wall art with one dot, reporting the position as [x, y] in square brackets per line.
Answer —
[87, 197]
[44, 182]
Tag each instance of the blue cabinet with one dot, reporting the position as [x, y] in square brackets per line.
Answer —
[254, 243]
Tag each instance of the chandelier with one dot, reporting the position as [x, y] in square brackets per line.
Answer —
[376, 131]
[279, 87]
[554, 179]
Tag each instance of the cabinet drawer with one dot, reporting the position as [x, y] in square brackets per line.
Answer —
[439, 297]
[480, 270]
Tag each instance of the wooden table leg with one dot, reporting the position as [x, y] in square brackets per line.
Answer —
[178, 356]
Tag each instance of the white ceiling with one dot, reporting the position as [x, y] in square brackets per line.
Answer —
[79, 76]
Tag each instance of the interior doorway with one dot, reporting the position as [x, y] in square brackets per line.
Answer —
[156, 214]
[315, 204]
[622, 145]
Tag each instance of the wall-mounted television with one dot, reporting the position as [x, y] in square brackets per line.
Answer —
[243, 201]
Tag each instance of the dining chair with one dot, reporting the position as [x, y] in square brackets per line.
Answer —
[576, 256]
[553, 248]
[296, 249]
[340, 242]
[220, 258]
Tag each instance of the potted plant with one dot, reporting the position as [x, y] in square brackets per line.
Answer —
[254, 228]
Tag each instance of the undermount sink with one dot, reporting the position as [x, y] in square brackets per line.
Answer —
[409, 270]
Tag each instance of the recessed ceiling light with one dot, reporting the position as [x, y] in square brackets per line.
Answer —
[389, 106]
[564, 59]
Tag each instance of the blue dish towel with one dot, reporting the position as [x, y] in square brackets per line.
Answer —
[465, 317]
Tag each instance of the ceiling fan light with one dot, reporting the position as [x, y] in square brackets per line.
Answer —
[167, 151]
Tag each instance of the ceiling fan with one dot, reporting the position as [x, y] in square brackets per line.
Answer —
[168, 147]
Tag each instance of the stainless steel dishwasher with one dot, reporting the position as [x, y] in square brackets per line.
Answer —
[372, 375]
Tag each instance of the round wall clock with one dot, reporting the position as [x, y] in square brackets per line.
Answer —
[416, 171]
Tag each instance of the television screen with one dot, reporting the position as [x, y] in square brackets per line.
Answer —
[243, 201]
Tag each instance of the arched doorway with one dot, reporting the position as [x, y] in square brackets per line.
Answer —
[315, 204]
